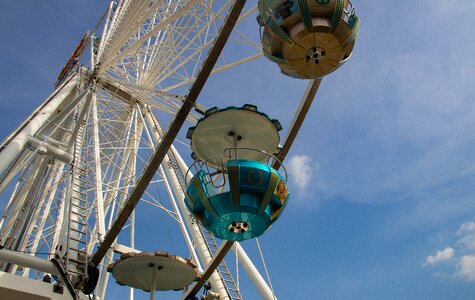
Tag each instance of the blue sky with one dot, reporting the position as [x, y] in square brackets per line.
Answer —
[383, 170]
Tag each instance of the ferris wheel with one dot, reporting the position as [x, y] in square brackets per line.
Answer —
[100, 185]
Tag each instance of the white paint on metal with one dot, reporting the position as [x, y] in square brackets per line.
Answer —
[15, 146]
[29, 261]
[45, 148]
[101, 227]
[254, 275]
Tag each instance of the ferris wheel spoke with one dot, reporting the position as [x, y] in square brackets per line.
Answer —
[156, 204]
[166, 53]
[200, 40]
[136, 40]
[126, 15]
[174, 73]
[169, 75]
[161, 100]
[215, 70]
[165, 44]
[121, 164]
[121, 172]
[242, 17]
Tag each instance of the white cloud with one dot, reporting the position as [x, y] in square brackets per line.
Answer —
[468, 242]
[463, 260]
[440, 256]
[467, 227]
[446, 9]
[299, 168]
[467, 267]
[467, 231]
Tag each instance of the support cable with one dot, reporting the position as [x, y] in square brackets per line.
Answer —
[237, 269]
[265, 268]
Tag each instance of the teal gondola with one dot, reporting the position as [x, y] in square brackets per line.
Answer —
[235, 192]
[256, 198]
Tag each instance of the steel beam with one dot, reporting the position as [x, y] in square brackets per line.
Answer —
[214, 263]
[43, 147]
[15, 143]
[171, 134]
[262, 287]
[101, 224]
[29, 261]
[299, 117]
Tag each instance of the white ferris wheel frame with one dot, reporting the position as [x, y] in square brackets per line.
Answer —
[128, 66]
